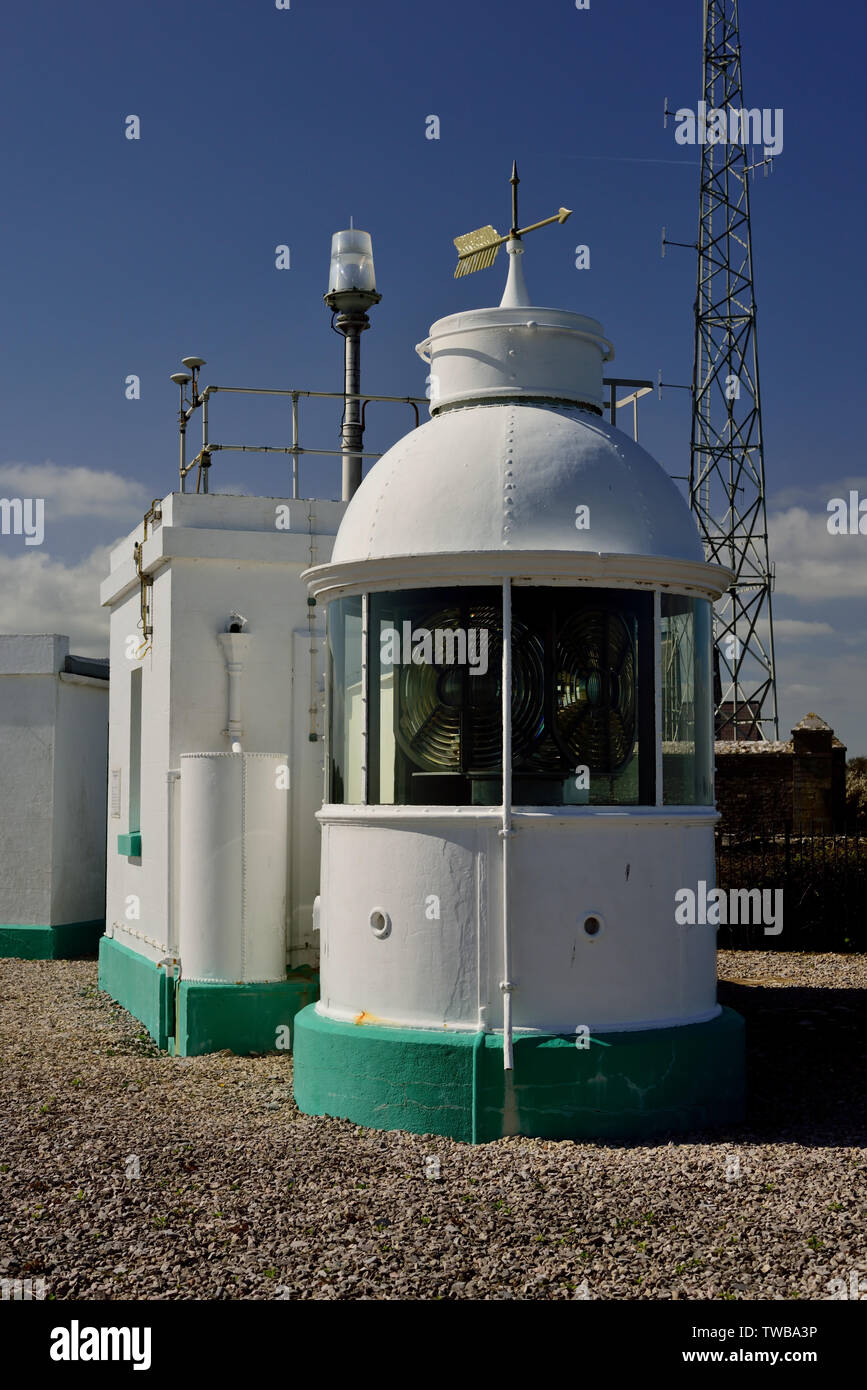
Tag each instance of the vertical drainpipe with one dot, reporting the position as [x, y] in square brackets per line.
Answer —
[657, 691]
[235, 646]
[172, 778]
[171, 962]
[365, 622]
[506, 831]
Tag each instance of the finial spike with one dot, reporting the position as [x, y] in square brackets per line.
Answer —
[514, 181]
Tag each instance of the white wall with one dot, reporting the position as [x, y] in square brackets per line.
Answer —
[642, 969]
[80, 773]
[53, 733]
[210, 555]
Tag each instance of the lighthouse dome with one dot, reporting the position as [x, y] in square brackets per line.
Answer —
[517, 456]
[513, 475]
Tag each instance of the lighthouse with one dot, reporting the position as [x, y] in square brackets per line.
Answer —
[519, 761]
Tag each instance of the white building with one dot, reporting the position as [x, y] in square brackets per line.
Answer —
[53, 741]
[502, 847]
[213, 854]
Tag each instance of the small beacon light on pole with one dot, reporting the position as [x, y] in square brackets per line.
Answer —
[351, 292]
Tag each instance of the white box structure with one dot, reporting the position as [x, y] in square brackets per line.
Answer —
[53, 739]
[235, 658]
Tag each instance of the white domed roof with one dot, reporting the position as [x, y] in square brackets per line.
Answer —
[510, 476]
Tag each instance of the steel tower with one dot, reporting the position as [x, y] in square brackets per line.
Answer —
[726, 472]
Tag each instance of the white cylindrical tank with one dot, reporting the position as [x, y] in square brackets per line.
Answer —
[234, 836]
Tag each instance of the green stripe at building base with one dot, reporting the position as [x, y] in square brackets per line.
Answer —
[625, 1086]
[193, 1017]
[68, 941]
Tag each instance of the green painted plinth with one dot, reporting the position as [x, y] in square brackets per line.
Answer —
[625, 1086]
[145, 989]
[190, 1018]
[66, 942]
[243, 1018]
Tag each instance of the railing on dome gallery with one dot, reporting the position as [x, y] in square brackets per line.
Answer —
[202, 461]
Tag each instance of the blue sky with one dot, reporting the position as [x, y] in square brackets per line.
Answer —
[262, 127]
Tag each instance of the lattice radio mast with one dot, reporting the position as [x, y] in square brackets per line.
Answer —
[726, 470]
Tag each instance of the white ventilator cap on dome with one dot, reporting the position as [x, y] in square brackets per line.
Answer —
[516, 351]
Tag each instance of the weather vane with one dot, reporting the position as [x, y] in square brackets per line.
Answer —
[477, 250]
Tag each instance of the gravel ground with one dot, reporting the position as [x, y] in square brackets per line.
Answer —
[126, 1173]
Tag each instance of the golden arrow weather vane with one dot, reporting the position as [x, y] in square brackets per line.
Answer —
[477, 250]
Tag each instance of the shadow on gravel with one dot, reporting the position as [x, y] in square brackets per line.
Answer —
[806, 1063]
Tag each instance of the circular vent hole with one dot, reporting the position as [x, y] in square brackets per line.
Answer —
[592, 926]
[380, 922]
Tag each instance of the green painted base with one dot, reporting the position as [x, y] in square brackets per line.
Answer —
[625, 1086]
[192, 1018]
[243, 1018]
[66, 942]
[145, 989]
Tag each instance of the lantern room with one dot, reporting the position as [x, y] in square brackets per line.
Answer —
[519, 765]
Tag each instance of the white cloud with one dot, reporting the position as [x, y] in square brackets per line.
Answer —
[76, 492]
[810, 562]
[794, 629]
[39, 594]
[815, 495]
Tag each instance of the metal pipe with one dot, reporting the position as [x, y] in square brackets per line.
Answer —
[478, 1046]
[506, 831]
[657, 691]
[182, 463]
[172, 777]
[366, 403]
[294, 444]
[319, 395]
[365, 627]
[283, 449]
[351, 326]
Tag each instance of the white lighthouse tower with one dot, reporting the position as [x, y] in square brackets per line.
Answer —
[520, 763]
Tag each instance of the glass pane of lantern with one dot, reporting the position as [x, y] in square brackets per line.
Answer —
[582, 697]
[345, 784]
[687, 702]
[435, 735]
[594, 745]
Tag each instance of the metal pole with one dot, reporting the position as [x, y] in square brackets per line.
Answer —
[294, 443]
[183, 443]
[365, 697]
[352, 325]
[658, 724]
[506, 832]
